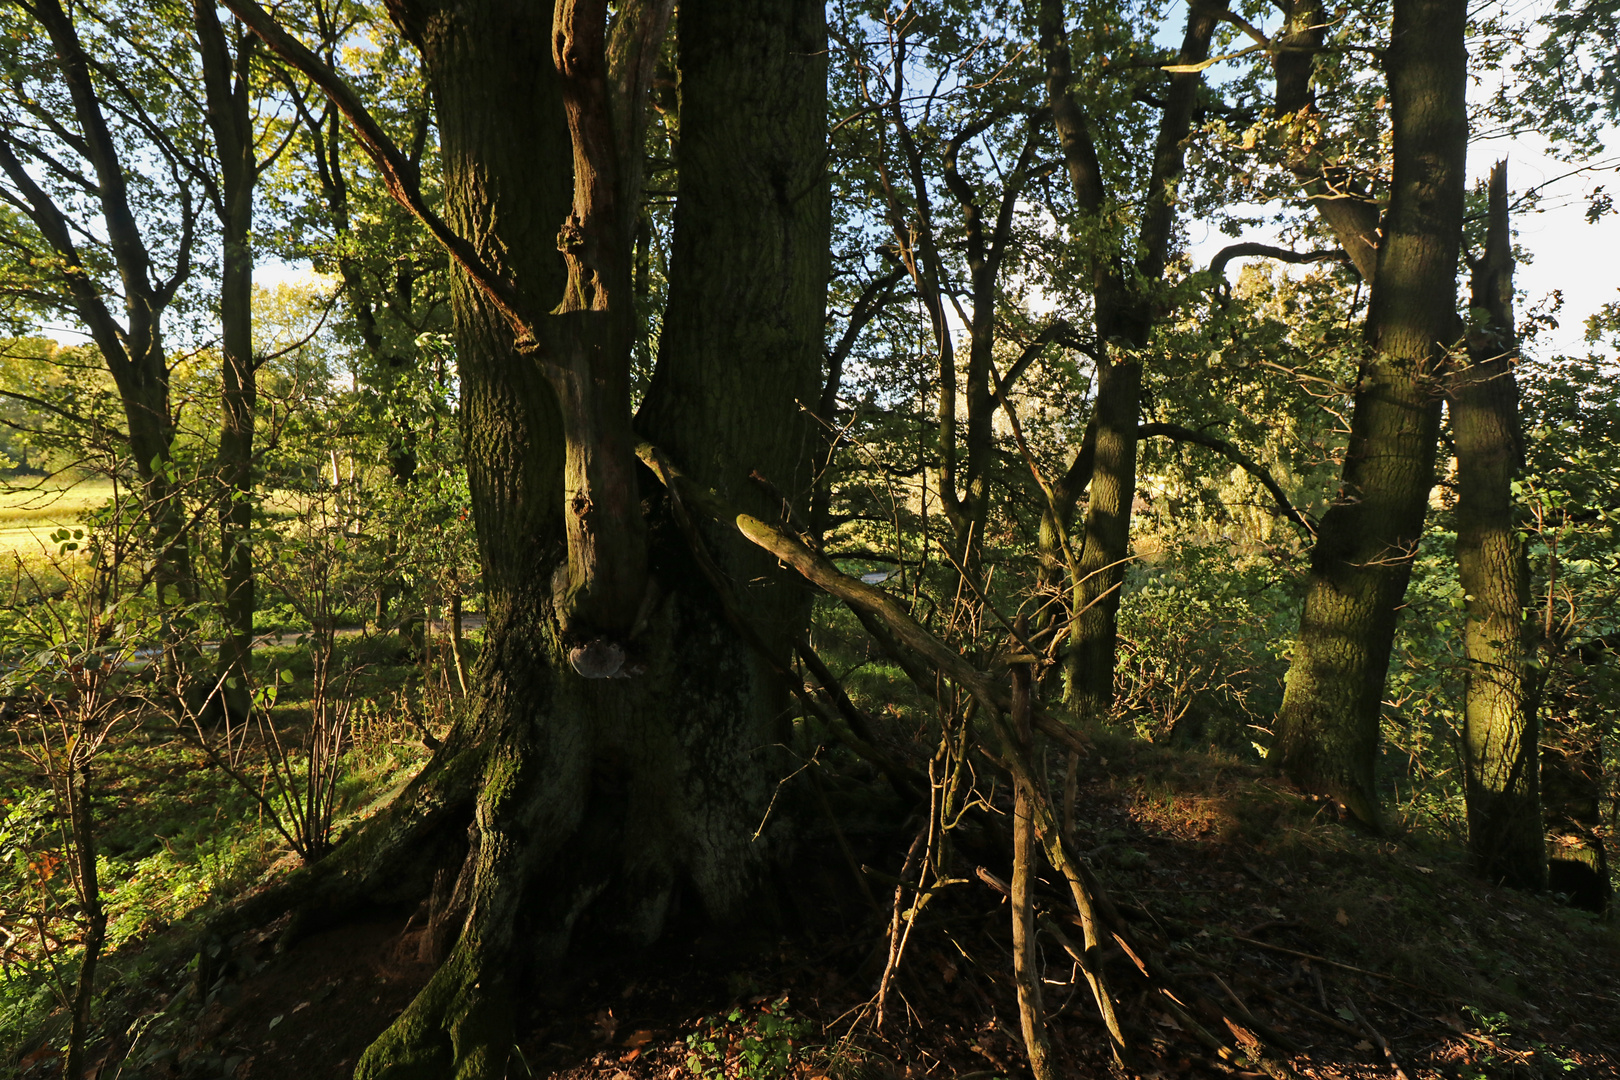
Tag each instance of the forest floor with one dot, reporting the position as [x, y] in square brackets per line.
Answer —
[1371, 957]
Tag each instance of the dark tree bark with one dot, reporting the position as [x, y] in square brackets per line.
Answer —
[1501, 733]
[601, 802]
[1328, 727]
[741, 352]
[1126, 312]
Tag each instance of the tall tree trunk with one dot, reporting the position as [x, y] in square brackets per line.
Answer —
[144, 388]
[226, 83]
[737, 360]
[1501, 733]
[75, 792]
[1093, 628]
[1327, 729]
[1126, 313]
[604, 802]
[132, 350]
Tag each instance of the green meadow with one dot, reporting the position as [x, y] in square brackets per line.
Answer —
[30, 512]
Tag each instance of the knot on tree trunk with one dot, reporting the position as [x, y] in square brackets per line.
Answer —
[601, 658]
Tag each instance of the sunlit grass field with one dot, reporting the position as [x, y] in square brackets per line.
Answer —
[30, 510]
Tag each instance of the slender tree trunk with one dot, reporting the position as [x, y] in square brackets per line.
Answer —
[1126, 313]
[145, 391]
[133, 351]
[457, 656]
[1501, 733]
[987, 244]
[226, 82]
[1328, 727]
[76, 788]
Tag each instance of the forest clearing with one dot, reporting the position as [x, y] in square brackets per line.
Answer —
[736, 539]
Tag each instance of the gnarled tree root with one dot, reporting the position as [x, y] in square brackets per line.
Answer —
[460, 1025]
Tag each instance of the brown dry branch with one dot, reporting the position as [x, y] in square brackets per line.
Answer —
[1100, 921]
[1376, 1037]
[1313, 958]
[1026, 965]
[855, 732]
[899, 925]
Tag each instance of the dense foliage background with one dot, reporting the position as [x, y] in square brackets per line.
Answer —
[152, 774]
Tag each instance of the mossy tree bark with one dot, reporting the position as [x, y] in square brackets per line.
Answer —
[1328, 726]
[601, 803]
[1501, 734]
[1126, 288]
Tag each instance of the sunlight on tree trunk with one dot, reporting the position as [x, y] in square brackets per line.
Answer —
[1328, 727]
[1501, 735]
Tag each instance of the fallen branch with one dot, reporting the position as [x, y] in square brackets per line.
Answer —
[820, 571]
[1026, 964]
[1294, 1003]
[1099, 920]
[1376, 1037]
[858, 738]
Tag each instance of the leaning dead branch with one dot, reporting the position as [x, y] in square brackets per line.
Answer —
[1026, 964]
[1101, 924]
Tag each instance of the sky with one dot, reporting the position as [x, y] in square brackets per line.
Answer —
[1564, 253]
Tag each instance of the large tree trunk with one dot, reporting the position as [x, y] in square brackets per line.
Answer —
[1327, 729]
[1093, 629]
[1501, 759]
[604, 802]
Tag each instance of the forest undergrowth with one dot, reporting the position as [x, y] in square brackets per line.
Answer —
[1358, 956]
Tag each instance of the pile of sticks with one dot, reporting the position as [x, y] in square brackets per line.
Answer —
[1228, 1030]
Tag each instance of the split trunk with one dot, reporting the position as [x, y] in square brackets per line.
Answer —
[602, 804]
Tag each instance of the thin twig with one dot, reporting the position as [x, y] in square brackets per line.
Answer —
[1373, 1033]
